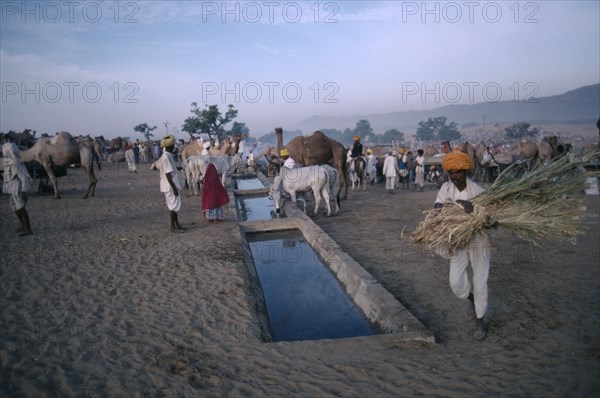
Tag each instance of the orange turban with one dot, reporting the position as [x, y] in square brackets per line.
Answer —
[457, 160]
[356, 138]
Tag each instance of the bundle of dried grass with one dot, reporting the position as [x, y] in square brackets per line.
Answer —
[536, 205]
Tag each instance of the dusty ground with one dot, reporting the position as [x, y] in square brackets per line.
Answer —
[103, 301]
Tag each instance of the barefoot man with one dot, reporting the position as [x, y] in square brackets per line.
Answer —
[460, 189]
[170, 180]
[16, 183]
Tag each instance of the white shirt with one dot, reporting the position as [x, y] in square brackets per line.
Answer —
[448, 192]
[166, 164]
[289, 163]
[420, 162]
[390, 164]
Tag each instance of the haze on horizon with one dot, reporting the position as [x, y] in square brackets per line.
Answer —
[101, 68]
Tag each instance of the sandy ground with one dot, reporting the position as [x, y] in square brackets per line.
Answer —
[104, 302]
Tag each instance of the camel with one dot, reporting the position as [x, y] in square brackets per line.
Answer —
[525, 150]
[23, 140]
[316, 149]
[559, 148]
[117, 143]
[544, 152]
[222, 149]
[429, 151]
[195, 148]
[468, 148]
[479, 151]
[235, 144]
[62, 150]
[93, 145]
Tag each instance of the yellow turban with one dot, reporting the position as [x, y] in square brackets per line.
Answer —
[167, 141]
[356, 138]
[284, 152]
[402, 150]
[369, 151]
[457, 160]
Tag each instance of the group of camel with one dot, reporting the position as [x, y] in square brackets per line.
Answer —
[315, 149]
[537, 153]
[63, 150]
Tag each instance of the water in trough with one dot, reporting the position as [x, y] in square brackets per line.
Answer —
[304, 299]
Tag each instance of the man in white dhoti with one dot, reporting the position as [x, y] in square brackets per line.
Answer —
[461, 190]
[170, 180]
[16, 183]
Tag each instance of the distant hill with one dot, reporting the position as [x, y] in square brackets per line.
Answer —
[578, 106]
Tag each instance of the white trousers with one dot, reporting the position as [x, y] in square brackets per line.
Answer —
[478, 254]
[390, 182]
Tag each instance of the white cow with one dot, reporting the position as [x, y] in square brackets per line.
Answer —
[196, 167]
[333, 177]
[302, 179]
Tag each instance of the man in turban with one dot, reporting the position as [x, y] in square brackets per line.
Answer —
[288, 161]
[16, 183]
[170, 180]
[461, 190]
[356, 150]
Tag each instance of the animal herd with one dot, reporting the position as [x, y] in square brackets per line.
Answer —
[322, 164]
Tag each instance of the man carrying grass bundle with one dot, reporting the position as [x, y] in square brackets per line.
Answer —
[544, 203]
[460, 189]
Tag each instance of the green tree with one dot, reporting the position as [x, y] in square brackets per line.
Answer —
[209, 121]
[390, 135]
[363, 129]
[448, 132]
[239, 128]
[145, 129]
[520, 130]
[436, 128]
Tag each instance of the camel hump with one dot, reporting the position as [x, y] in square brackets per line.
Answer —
[62, 138]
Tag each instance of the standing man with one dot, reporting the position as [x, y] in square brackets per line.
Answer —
[130, 159]
[371, 166]
[16, 183]
[390, 171]
[461, 190]
[487, 160]
[170, 180]
[403, 168]
[420, 171]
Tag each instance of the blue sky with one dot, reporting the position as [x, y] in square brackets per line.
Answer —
[104, 67]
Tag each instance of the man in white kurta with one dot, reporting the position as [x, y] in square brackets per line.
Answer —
[390, 171]
[461, 190]
[371, 167]
[170, 180]
[130, 159]
[419, 171]
[16, 183]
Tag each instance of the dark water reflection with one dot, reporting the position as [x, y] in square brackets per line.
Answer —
[248, 183]
[303, 298]
[253, 208]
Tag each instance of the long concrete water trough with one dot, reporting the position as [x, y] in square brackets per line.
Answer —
[283, 257]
